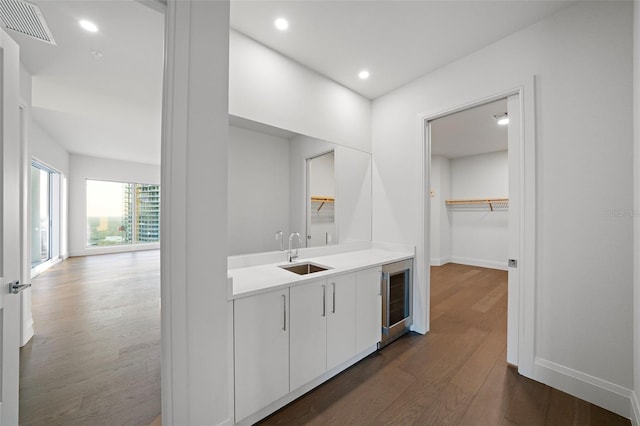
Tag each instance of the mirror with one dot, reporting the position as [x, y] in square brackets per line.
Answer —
[277, 180]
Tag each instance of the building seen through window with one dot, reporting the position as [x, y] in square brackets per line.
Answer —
[120, 213]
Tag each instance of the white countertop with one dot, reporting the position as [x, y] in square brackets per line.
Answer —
[258, 279]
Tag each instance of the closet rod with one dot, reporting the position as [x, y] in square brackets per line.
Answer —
[502, 202]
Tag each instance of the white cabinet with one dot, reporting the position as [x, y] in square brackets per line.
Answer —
[368, 308]
[261, 339]
[308, 332]
[284, 339]
[341, 319]
[323, 328]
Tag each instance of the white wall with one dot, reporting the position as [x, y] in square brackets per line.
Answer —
[353, 205]
[480, 176]
[323, 175]
[47, 150]
[288, 95]
[83, 167]
[479, 236]
[258, 191]
[583, 133]
[636, 216]
[440, 231]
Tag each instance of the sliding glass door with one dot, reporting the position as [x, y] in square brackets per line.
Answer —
[41, 188]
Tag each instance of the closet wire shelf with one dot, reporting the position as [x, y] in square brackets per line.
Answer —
[492, 203]
[322, 200]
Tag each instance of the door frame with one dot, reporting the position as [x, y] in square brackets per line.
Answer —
[527, 233]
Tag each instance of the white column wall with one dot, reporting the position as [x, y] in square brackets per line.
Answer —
[583, 127]
[197, 351]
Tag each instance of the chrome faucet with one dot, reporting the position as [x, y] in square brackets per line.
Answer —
[280, 236]
[292, 256]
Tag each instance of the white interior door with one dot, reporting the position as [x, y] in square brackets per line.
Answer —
[10, 248]
[514, 147]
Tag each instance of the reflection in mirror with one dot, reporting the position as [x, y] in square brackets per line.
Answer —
[321, 198]
[269, 190]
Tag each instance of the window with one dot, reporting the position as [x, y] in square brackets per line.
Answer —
[122, 213]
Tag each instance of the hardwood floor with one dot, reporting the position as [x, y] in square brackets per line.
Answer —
[95, 358]
[454, 375]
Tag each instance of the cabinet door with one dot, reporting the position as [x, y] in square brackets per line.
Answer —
[308, 340]
[261, 339]
[368, 308]
[341, 319]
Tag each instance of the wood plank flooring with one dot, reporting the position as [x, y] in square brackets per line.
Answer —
[95, 357]
[454, 375]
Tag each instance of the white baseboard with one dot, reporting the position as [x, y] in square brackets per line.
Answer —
[482, 263]
[592, 389]
[90, 251]
[635, 409]
[38, 269]
[439, 261]
[27, 333]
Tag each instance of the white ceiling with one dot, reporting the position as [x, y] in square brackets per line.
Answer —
[397, 41]
[108, 107]
[111, 107]
[470, 132]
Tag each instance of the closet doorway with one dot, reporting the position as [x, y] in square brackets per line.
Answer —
[474, 220]
[320, 200]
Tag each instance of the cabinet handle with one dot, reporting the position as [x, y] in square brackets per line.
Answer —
[284, 312]
[324, 300]
[334, 298]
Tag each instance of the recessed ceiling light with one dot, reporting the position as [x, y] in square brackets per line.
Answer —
[502, 119]
[364, 74]
[281, 24]
[89, 26]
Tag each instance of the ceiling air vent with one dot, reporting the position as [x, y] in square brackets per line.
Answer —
[25, 18]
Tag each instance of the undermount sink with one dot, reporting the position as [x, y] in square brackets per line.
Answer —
[304, 268]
